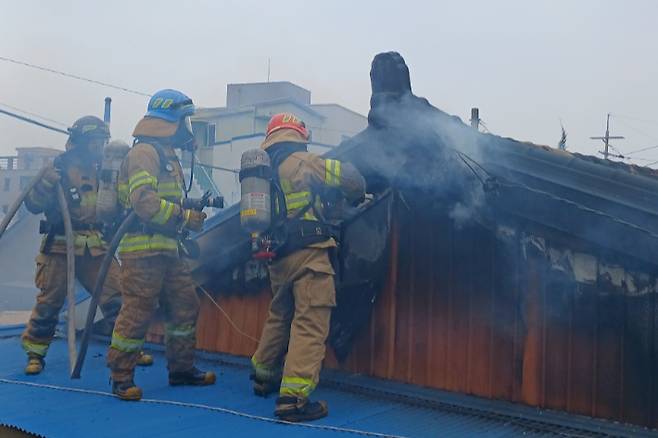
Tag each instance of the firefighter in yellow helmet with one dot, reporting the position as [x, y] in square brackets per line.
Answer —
[153, 272]
[301, 275]
[77, 171]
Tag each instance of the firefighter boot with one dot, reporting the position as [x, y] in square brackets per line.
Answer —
[295, 409]
[144, 360]
[193, 377]
[127, 390]
[263, 388]
[35, 364]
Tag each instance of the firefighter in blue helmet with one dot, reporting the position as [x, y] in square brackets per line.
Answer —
[153, 272]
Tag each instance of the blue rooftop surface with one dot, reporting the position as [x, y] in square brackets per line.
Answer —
[52, 405]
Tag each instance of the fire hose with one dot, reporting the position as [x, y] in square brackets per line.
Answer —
[96, 293]
[70, 275]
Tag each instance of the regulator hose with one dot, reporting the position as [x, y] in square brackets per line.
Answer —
[98, 287]
[70, 275]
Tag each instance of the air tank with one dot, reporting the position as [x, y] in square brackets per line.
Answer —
[255, 200]
[107, 202]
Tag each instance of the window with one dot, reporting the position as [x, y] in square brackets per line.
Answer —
[7, 184]
[211, 134]
[25, 180]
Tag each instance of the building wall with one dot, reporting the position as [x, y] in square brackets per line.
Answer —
[545, 321]
[243, 123]
[238, 95]
[17, 171]
[339, 124]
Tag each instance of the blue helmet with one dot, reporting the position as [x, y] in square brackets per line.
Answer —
[170, 105]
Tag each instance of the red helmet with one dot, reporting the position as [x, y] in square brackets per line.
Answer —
[286, 121]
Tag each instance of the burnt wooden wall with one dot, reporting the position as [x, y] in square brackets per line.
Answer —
[463, 311]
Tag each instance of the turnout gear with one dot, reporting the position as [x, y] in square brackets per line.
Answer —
[301, 275]
[51, 280]
[127, 390]
[192, 377]
[77, 171]
[151, 183]
[152, 270]
[147, 282]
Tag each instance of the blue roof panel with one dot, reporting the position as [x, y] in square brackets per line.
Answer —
[52, 405]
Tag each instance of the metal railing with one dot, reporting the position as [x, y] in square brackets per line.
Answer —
[9, 163]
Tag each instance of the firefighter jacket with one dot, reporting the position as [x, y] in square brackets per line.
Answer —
[79, 177]
[153, 190]
[304, 175]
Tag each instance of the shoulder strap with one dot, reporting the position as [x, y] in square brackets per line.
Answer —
[159, 149]
[280, 152]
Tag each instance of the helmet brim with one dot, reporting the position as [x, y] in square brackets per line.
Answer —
[284, 135]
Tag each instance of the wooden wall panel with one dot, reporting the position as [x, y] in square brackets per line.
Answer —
[464, 311]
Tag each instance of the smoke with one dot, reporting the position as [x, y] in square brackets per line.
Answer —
[418, 149]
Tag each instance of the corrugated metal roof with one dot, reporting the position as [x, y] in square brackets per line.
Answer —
[52, 405]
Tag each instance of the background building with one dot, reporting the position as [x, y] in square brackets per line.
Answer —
[16, 171]
[223, 134]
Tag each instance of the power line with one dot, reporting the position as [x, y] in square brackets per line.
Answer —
[639, 131]
[34, 122]
[642, 150]
[34, 114]
[73, 76]
[634, 118]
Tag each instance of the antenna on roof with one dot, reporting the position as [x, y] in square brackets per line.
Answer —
[562, 144]
[606, 139]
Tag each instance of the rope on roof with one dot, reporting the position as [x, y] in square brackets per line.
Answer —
[205, 407]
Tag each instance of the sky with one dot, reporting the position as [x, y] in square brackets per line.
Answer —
[528, 65]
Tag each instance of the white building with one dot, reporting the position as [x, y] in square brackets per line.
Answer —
[223, 134]
[16, 172]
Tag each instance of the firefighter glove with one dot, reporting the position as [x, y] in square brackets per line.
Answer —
[51, 177]
[193, 219]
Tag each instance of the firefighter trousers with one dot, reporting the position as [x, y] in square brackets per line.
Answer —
[297, 323]
[50, 279]
[147, 282]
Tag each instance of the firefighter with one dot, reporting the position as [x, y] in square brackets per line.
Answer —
[77, 171]
[301, 275]
[153, 273]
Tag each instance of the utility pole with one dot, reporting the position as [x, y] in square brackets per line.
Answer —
[606, 139]
[475, 118]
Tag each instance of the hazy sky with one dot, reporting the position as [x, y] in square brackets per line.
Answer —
[526, 64]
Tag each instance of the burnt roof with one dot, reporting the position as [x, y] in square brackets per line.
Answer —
[419, 149]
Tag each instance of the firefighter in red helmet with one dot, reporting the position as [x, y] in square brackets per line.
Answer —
[301, 275]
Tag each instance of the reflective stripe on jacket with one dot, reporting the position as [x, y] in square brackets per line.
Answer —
[155, 194]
